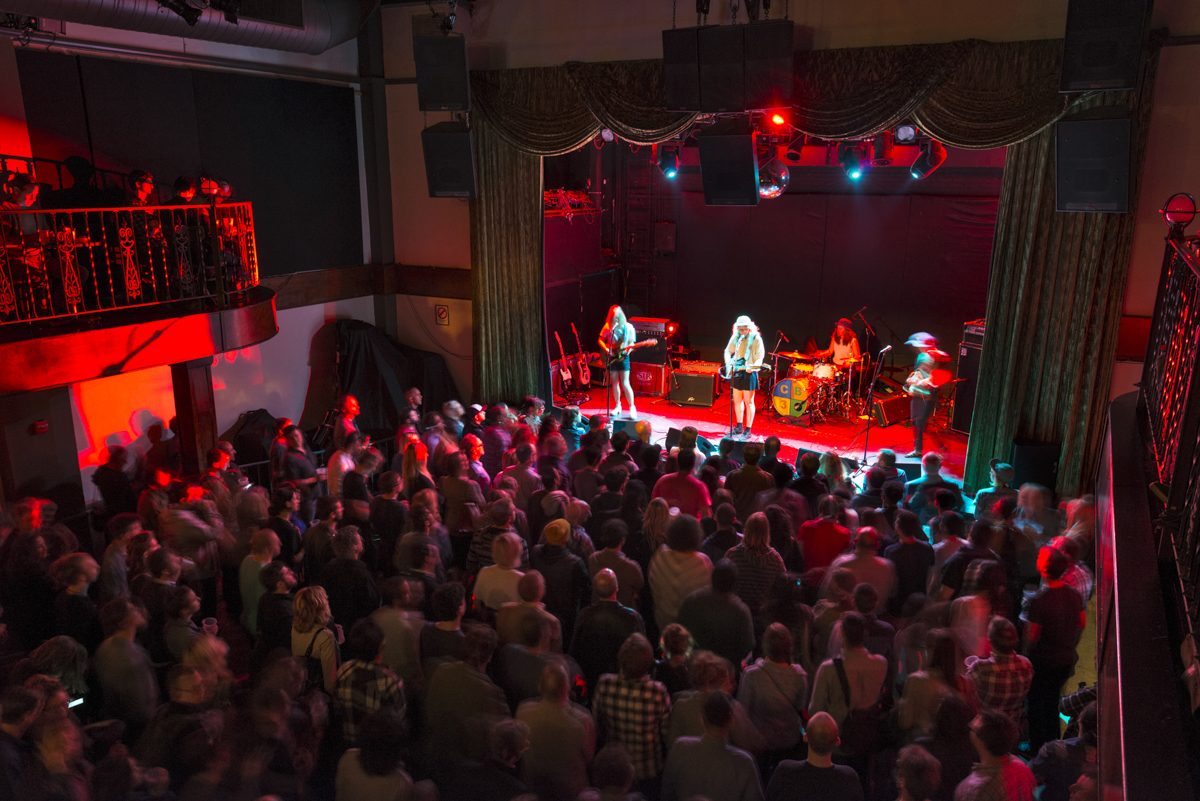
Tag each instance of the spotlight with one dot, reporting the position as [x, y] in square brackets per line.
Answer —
[607, 135]
[933, 155]
[851, 158]
[773, 178]
[795, 148]
[668, 159]
[906, 133]
[1179, 211]
[881, 149]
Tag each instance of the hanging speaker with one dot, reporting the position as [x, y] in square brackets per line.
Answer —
[1103, 44]
[443, 80]
[681, 69]
[1091, 152]
[449, 160]
[769, 70]
[728, 164]
[722, 68]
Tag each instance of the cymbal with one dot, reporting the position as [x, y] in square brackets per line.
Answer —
[791, 354]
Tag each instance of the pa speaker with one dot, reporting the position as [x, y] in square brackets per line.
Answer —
[722, 74]
[735, 446]
[693, 389]
[728, 164]
[449, 160]
[681, 69]
[1092, 162]
[850, 464]
[628, 426]
[964, 392]
[769, 71]
[443, 80]
[1103, 44]
[1035, 462]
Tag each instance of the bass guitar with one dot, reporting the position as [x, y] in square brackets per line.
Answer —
[614, 358]
[583, 373]
[564, 369]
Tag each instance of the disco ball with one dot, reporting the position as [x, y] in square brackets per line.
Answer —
[773, 177]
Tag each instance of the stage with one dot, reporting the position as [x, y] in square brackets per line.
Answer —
[847, 439]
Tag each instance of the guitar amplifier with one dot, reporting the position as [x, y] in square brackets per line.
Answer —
[891, 409]
[650, 328]
[694, 389]
[648, 379]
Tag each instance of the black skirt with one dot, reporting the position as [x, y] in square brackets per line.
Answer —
[745, 381]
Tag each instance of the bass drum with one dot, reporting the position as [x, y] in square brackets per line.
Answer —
[790, 396]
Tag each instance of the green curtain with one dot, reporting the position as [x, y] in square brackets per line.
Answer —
[506, 268]
[1054, 304]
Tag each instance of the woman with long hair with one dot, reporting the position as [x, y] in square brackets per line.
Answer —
[925, 689]
[757, 562]
[743, 356]
[415, 470]
[311, 637]
[678, 570]
[615, 339]
[834, 472]
[843, 345]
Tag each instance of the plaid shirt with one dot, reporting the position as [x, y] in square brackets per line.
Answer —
[362, 688]
[631, 712]
[1002, 682]
[1080, 579]
[1012, 781]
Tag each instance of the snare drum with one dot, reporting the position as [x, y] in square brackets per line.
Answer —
[825, 372]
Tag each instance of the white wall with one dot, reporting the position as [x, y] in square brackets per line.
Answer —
[417, 326]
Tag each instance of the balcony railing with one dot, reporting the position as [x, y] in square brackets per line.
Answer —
[64, 262]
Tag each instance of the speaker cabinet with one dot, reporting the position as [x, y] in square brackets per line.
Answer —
[769, 71]
[449, 160]
[628, 426]
[443, 80]
[694, 389]
[891, 410]
[964, 392]
[648, 379]
[722, 68]
[728, 164]
[1103, 44]
[1034, 461]
[1092, 163]
[681, 69]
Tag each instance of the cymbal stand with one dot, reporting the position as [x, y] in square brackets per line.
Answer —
[865, 409]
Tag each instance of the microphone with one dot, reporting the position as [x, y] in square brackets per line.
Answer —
[885, 350]
[784, 336]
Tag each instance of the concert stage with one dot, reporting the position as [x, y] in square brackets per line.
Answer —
[845, 438]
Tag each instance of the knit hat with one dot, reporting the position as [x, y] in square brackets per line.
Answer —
[557, 532]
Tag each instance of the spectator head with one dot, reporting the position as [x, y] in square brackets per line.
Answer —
[724, 576]
[1005, 508]
[20, 707]
[275, 573]
[887, 458]
[347, 543]
[1003, 636]
[163, 564]
[908, 525]
[945, 500]
[615, 478]
[635, 657]
[854, 629]
[612, 770]
[554, 685]
[123, 527]
[310, 609]
[931, 462]
[524, 452]
[828, 507]
[866, 539]
[381, 742]
[120, 614]
[328, 508]
[771, 447]
[534, 631]
[389, 482]
[781, 474]
[866, 599]
[718, 710]
[557, 532]
[577, 512]
[448, 602]
[993, 732]
[650, 457]
[182, 600]
[686, 460]
[592, 456]
[501, 511]
[604, 584]
[531, 587]
[757, 534]
[710, 672]
[1052, 563]
[619, 441]
[725, 516]
[952, 524]
[283, 498]
[777, 643]
[752, 453]
[613, 533]
[73, 568]
[369, 461]
[508, 739]
[981, 534]
[893, 493]
[809, 463]
[365, 641]
[480, 644]
[1087, 725]
[265, 542]
[395, 592]
[507, 550]
[918, 772]
[1068, 546]
[822, 734]
[684, 534]
[952, 720]
[185, 685]
[676, 640]
[842, 583]
[876, 478]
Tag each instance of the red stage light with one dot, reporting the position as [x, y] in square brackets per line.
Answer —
[778, 118]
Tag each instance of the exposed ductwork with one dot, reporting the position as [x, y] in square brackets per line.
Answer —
[326, 23]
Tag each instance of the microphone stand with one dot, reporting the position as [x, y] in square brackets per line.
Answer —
[774, 373]
[866, 407]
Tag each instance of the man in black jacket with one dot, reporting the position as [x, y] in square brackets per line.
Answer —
[602, 628]
[348, 581]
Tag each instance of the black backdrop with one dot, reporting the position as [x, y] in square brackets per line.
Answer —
[290, 147]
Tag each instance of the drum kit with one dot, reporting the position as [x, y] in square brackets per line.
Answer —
[816, 388]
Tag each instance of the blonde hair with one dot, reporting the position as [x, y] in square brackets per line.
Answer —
[615, 313]
[207, 654]
[506, 550]
[655, 522]
[753, 329]
[832, 467]
[311, 609]
[757, 534]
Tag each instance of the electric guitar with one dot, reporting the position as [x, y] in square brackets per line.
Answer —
[624, 350]
[583, 373]
[564, 371]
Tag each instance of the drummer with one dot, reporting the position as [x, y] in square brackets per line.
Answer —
[843, 346]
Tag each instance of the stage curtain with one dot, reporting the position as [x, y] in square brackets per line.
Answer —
[1054, 304]
[628, 97]
[506, 268]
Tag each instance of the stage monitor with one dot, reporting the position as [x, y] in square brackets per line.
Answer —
[729, 164]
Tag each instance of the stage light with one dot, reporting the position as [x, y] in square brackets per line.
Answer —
[851, 158]
[933, 155]
[795, 148]
[778, 119]
[1179, 211]
[607, 135]
[773, 178]
[668, 159]
[671, 329]
[906, 133]
[881, 149]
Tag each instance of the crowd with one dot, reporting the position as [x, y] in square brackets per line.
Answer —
[528, 606]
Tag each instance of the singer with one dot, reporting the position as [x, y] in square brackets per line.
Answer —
[743, 357]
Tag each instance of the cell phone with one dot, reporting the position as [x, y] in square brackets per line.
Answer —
[75, 703]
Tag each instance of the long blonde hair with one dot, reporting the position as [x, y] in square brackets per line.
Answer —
[655, 523]
[311, 609]
[757, 534]
[611, 323]
[753, 330]
[832, 468]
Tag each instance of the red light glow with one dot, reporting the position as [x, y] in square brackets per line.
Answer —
[778, 119]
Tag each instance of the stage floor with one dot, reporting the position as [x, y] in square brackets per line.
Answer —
[847, 439]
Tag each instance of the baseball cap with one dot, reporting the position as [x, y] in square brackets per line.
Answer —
[1004, 471]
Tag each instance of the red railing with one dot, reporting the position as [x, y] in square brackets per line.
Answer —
[63, 262]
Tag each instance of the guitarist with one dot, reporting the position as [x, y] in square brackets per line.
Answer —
[616, 340]
[923, 392]
[743, 356]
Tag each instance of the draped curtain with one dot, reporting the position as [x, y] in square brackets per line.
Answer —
[1057, 279]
